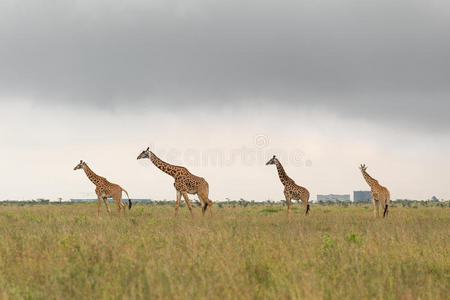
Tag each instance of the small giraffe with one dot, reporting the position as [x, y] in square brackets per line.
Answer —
[105, 189]
[378, 193]
[185, 182]
[291, 189]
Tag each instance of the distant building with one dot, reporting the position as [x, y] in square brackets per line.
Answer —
[83, 200]
[361, 196]
[333, 198]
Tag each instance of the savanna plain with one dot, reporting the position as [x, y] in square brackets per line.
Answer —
[58, 251]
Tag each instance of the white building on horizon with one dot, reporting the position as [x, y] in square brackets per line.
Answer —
[333, 198]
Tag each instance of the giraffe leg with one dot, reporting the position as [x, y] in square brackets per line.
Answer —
[203, 193]
[385, 206]
[188, 202]
[377, 206]
[205, 202]
[210, 206]
[99, 203]
[208, 203]
[373, 204]
[305, 200]
[107, 206]
[288, 202]
[177, 205]
[374, 208]
[124, 206]
[118, 202]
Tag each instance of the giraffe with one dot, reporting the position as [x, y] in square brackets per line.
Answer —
[105, 189]
[185, 182]
[291, 189]
[378, 193]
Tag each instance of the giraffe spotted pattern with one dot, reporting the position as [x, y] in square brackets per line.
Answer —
[105, 189]
[185, 182]
[378, 193]
[291, 189]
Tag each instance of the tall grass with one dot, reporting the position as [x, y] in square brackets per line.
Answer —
[64, 251]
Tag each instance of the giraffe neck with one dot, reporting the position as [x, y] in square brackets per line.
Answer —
[162, 165]
[370, 181]
[94, 178]
[281, 173]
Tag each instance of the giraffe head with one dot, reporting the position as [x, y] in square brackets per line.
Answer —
[363, 168]
[144, 154]
[272, 161]
[80, 165]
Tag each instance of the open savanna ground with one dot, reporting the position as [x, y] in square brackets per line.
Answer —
[65, 251]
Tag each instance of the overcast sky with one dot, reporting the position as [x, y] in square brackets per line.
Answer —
[325, 84]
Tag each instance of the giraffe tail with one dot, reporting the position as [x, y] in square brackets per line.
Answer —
[129, 200]
[307, 209]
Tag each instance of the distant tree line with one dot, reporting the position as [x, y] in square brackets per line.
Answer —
[245, 203]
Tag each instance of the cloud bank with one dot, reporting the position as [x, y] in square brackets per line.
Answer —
[383, 60]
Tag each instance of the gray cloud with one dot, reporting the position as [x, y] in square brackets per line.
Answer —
[379, 60]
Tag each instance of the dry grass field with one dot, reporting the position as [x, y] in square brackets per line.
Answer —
[64, 251]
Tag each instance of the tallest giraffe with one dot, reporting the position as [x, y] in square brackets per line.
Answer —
[185, 182]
